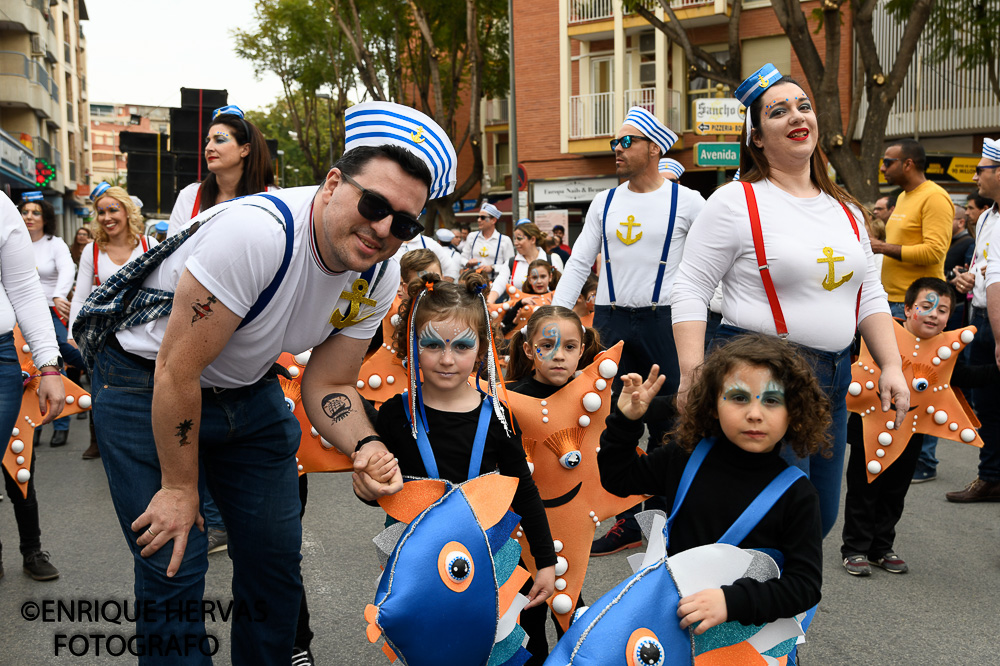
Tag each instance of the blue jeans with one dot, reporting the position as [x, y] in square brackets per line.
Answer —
[987, 399]
[833, 372]
[897, 310]
[247, 448]
[11, 390]
[70, 355]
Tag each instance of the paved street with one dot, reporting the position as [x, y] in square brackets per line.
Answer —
[943, 611]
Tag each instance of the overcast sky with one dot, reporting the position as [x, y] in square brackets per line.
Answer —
[145, 51]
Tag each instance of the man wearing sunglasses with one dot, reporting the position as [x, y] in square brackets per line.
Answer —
[639, 229]
[918, 232]
[488, 248]
[303, 268]
[985, 316]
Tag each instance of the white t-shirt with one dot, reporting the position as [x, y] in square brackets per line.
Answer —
[105, 269]
[635, 260]
[55, 266]
[22, 300]
[520, 271]
[235, 255]
[803, 238]
[987, 237]
[495, 250]
[180, 214]
[450, 264]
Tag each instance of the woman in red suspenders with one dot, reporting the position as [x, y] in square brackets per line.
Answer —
[794, 259]
[238, 164]
[118, 239]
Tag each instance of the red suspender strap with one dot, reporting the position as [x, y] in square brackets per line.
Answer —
[765, 273]
[145, 243]
[197, 203]
[97, 280]
[512, 269]
[857, 234]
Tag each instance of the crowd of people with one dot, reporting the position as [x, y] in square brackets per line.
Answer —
[741, 317]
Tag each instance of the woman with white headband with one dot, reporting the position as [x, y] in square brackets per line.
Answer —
[794, 259]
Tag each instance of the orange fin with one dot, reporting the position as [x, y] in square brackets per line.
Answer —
[511, 587]
[490, 496]
[415, 496]
[387, 651]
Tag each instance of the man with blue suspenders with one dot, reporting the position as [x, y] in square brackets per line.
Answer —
[639, 229]
[208, 314]
[488, 248]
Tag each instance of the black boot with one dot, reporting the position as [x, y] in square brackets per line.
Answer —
[59, 438]
[92, 451]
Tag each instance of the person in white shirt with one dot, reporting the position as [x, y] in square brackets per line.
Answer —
[55, 270]
[791, 250]
[23, 303]
[488, 249]
[639, 228]
[239, 163]
[528, 239]
[450, 263]
[302, 268]
[983, 278]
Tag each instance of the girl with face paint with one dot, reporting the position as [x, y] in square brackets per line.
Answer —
[541, 280]
[444, 428]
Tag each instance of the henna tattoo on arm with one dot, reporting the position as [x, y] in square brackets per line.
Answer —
[183, 428]
[203, 310]
[337, 406]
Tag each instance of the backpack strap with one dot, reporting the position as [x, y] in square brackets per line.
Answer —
[765, 273]
[607, 255]
[752, 515]
[690, 470]
[269, 291]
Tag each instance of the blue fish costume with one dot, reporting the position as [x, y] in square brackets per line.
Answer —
[636, 623]
[449, 592]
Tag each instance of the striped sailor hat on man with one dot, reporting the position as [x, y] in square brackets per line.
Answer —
[651, 127]
[991, 149]
[668, 165]
[382, 123]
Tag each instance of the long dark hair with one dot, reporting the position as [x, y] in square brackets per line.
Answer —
[257, 173]
[754, 165]
[48, 215]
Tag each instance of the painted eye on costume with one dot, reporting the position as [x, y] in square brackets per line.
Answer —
[455, 566]
[570, 460]
[644, 649]
[290, 404]
[919, 384]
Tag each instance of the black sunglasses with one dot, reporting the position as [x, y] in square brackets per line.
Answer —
[889, 161]
[981, 169]
[626, 141]
[374, 207]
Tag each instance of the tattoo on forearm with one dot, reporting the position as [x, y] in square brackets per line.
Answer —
[337, 406]
[183, 428]
[202, 310]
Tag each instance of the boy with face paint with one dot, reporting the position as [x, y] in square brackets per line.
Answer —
[871, 510]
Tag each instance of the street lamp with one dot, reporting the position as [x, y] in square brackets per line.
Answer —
[329, 119]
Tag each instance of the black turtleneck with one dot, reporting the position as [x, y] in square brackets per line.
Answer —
[728, 480]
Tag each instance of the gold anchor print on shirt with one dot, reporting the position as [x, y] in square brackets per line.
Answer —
[628, 239]
[419, 136]
[830, 282]
[357, 298]
[484, 251]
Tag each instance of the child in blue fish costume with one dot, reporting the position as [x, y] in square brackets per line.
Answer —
[753, 396]
[443, 427]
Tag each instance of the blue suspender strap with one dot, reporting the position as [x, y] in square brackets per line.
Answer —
[760, 506]
[690, 470]
[423, 243]
[607, 255]
[423, 444]
[666, 244]
[496, 257]
[269, 291]
[479, 445]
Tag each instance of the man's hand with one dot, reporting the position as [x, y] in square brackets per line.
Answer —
[894, 390]
[878, 246]
[545, 583]
[51, 397]
[637, 394]
[381, 466]
[707, 607]
[963, 282]
[366, 487]
[169, 516]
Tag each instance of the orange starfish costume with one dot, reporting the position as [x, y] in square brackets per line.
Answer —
[936, 408]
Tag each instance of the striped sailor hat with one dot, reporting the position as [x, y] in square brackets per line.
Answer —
[651, 128]
[991, 149]
[101, 188]
[490, 210]
[671, 166]
[736, 176]
[33, 195]
[381, 123]
[754, 87]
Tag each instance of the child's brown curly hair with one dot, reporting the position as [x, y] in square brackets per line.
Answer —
[808, 407]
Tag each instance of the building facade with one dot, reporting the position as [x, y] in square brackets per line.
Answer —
[107, 122]
[44, 115]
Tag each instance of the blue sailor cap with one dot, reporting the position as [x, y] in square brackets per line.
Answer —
[101, 188]
[651, 127]
[991, 149]
[672, 166]
[490, 210]
[33, 195]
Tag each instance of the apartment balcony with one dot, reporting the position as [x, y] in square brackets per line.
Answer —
[594, 19]
[498, 177]
[496, 114]
[27, 14]
[26, 83]
[592, 117]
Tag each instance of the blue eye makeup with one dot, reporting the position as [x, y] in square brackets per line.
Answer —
[431, 339]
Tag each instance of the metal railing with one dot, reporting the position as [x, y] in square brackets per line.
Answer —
[498, 175]
[497, 112]
[42, 148]
[55, 92]
[643, 97]
[13, 63]
[591, 115]
[589, 10]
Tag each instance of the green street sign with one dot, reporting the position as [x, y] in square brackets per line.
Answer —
[717, 154]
